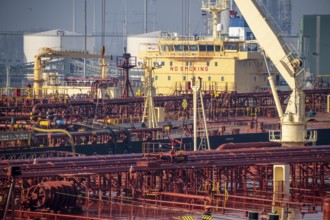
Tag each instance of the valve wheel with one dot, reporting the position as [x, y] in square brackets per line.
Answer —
[36, 197]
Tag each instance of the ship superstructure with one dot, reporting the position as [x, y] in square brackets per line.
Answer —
[224, 62]
[223, 65]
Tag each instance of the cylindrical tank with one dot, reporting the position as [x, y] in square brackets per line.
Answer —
[52, 39]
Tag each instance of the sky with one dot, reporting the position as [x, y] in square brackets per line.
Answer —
[34, 15]
[165, 15]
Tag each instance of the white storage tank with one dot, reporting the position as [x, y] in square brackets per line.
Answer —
[53, 39]
[134, 42]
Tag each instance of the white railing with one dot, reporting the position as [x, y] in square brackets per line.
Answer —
[310, 136]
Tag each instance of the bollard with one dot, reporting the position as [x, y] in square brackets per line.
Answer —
[253, 215]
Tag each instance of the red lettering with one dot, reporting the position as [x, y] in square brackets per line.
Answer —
[190, 69]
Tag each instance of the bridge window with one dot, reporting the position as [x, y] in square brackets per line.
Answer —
[202, 48]
[164, 48]
[171, 63]
[217, 48]
[222, 78]
[156, 77]
[215, 63]
[231, 46]
[209, 78]
[193, 47]
[210, 48]
[178, 47]
[207, 63]
[184, 78]
[167, 48]
[169, 78]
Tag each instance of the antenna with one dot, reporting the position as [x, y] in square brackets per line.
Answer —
[125, 24]
[145, 16]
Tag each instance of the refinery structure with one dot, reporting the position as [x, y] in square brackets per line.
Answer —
[230, 123]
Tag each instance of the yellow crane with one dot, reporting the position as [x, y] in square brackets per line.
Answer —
[52, 53]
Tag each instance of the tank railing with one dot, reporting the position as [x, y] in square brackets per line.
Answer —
[36, 155]
[171, 37]
[182, 87]
[310, 136]
[93, 66]
[160, 147]
[65, 50]
[275, 135]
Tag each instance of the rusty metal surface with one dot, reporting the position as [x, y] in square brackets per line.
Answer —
[225, 104]
[234, 178]
[219, 180]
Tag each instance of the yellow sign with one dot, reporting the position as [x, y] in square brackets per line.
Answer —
[184, 104]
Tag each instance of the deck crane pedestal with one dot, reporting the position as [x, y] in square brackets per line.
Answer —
[293, 126]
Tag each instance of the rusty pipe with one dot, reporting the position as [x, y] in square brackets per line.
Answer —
[232, 146]
[186, 196]
[71, 140]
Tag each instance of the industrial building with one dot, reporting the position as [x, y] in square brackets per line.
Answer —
[315, 46]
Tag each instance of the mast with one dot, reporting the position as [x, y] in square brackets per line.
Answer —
[215, 7]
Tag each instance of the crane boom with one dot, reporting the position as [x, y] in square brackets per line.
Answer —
[268, 39]
[293, 126]
[52, 53]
